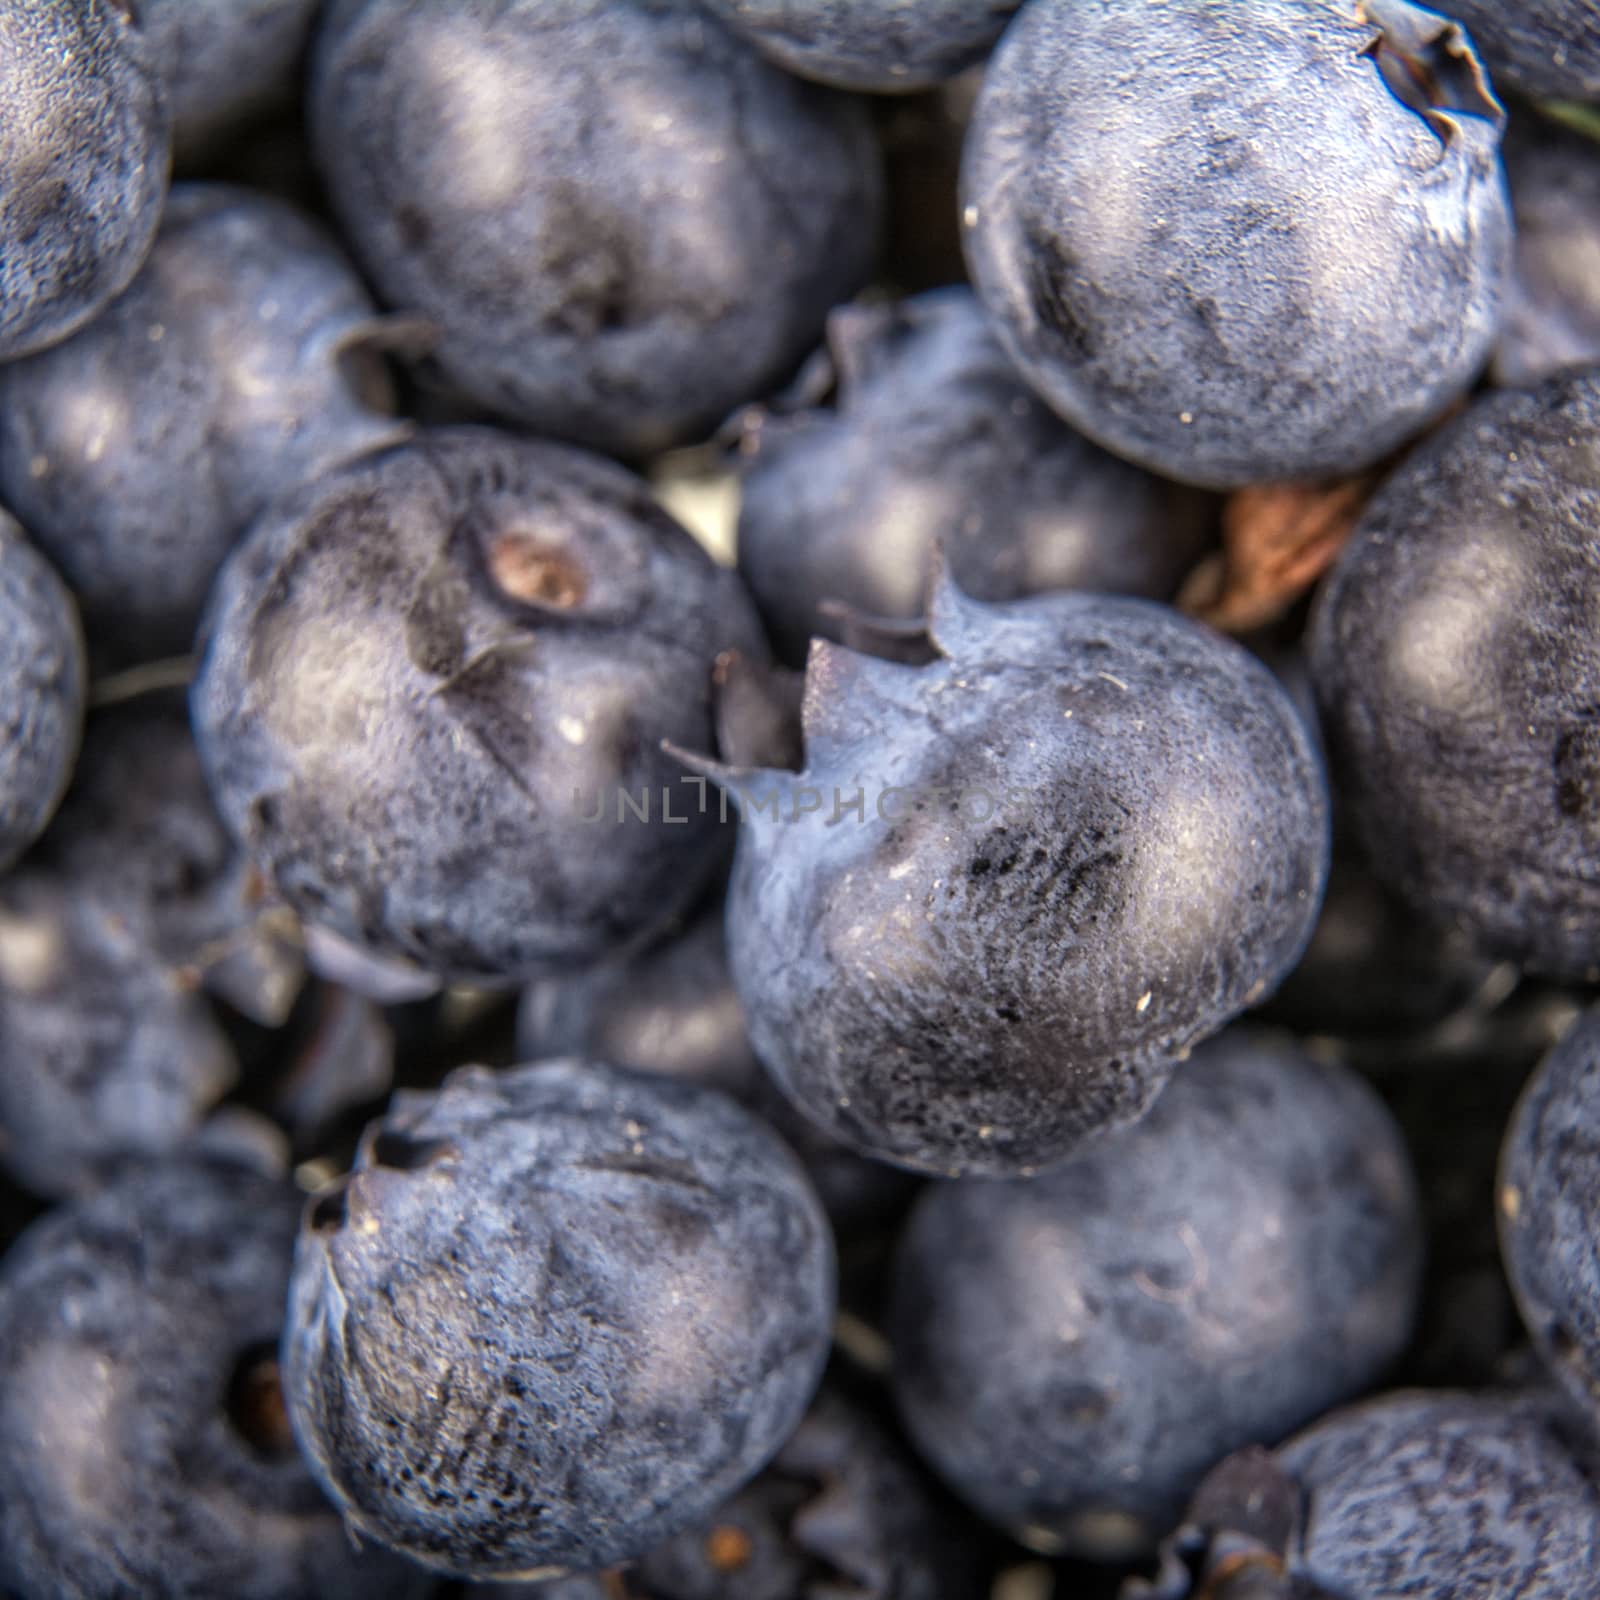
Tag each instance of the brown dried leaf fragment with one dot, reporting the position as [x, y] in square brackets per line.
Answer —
[1277, 540]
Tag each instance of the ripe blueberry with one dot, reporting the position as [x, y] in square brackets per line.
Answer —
[1073, 1353]
[1083, 838]
[143, 1447]
[139, 450]
[1455, 655]
[554, 1316]
[623, 220]
[934, 441]
[83, 167]
[432, 698]
[1239, 242]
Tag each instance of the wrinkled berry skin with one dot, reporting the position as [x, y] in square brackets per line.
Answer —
[1455, 658]
[1439, 1495]
[1218, 244]
[934, 441]
[1552, 313]
[84, 169]
[123, 1469]
[139, 450]
[139, 837]
[555, 1315]
[672, 1009]
[105, 1051]
[626, 289]
[1548, 1210]
[841, 1511]
[41, 713]
[1093, 831]
[1074, 1352]
[425, 675]
[225, 61]
[1547, 48]
[1430, 1494]
[882, 45]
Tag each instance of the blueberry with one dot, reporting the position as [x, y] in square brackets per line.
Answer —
[1236, 243]
[139, 450]
[225, 61]
[1547, 48]
[1013, 887]
[1552, 314]
[885, 45]
[935, 441]
[105, 1051]
[555, 1316]
[139, 837]
[143, 1445]
[432, 698]
[624, 288]
[1434, 1495]
[1547, 1195]
[42, 666]
[1455, 656]
[1073, 1353]
[84, 167]
[673, 1010]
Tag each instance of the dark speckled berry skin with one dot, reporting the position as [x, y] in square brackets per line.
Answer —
[1546, 48]
[123, 1468]
[883, 45]
[1422, 1494]
[225, 61]
[83, 169]
[1436, 1496]
[555, 1315]
[1093, 831]
[41, 711]
[1073, 1353]
[1549, 1210]
[105, 1051]
[139, 450]
[934, 441]
[1219, 244]
[1552, 312]
[1457, 662]
[599, 202]
[423, 674]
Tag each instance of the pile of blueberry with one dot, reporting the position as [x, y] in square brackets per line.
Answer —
[799, 800]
